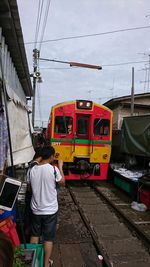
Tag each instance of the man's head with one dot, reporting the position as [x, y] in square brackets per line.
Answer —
[48, 154]
[38, 154]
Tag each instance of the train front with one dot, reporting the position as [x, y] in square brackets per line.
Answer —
[81, 133]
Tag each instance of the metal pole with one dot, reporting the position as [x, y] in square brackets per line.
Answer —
[36, 54]
[132, 93]
[148, 78]
[33, 99]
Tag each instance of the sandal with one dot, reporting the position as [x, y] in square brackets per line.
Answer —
[51, 263]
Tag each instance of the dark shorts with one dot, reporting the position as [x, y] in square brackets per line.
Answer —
[45, 226]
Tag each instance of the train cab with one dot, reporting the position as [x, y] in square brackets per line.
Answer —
[81, 133]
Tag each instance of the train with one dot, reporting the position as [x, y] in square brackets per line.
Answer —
[81, 133]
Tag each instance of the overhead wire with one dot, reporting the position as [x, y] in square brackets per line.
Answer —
[40, 32]
[91, 35]
[38, 22]
[40, 45]
[124, 63]
[51, 68]
[44, 23]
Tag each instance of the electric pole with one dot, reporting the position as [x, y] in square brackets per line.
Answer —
[35, 75]
[132, 93]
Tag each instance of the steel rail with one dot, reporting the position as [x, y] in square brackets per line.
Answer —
[97, 243]
[131, 225]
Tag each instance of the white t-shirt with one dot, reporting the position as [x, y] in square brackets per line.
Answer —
[43, 184]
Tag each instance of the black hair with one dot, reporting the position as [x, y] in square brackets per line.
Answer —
[47, 152]
[6, 251]
[38, 153]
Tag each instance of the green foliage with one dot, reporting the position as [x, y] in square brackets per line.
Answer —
[18, 261]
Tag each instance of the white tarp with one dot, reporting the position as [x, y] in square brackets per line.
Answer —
[20, 134]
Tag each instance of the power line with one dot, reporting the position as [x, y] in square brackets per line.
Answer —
[124, 63]
[57, 68]
[38, 22]
[44, 22]
[91, 35]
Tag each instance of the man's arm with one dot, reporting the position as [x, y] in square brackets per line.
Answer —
[60, 167]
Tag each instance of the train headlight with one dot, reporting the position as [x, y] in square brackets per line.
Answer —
[80, 104]
[88, 104]
[105, 156]
[84, 104]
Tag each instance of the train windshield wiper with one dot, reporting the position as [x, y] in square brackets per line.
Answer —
[97, 123]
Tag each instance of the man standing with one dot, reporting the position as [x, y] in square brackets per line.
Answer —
[44, 204]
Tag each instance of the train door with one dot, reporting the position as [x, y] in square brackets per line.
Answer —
[83, 123]
[83, 127]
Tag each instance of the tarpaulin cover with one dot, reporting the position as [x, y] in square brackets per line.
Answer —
[20, 134]
[136, 136]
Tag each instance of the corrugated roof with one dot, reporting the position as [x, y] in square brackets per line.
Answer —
[122, 98]
[11, 30]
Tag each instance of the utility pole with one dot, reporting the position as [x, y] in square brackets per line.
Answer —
[147, 74]
[132, 93]
[148, 78]
[35, 75]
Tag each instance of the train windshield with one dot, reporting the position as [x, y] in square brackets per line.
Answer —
[83, 123]
[101, 127]
[63, 125]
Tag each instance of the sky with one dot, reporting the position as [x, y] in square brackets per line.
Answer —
[82, 17]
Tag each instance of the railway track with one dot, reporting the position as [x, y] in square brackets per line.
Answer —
[73, 245]
[116, 239]
[121, 203]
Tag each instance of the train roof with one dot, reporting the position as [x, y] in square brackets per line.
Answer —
[73, 101]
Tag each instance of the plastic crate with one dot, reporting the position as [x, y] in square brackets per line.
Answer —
[145, 197]
[9, 228]
[39, 257]
[127, 187]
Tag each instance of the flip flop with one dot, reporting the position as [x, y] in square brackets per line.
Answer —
[51, 263]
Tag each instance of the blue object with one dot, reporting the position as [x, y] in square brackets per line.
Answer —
[12, 213]
[7, 214]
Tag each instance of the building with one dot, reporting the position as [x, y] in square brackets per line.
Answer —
[15, 87]
[121, 107]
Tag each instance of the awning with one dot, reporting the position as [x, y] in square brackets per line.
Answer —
[19, 129]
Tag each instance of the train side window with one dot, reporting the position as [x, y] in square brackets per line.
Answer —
[82, 126]
[63, 125]
[101, 127]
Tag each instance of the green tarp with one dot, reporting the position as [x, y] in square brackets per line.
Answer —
[136, 136]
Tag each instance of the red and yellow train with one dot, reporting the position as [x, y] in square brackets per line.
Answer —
[81, 133]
